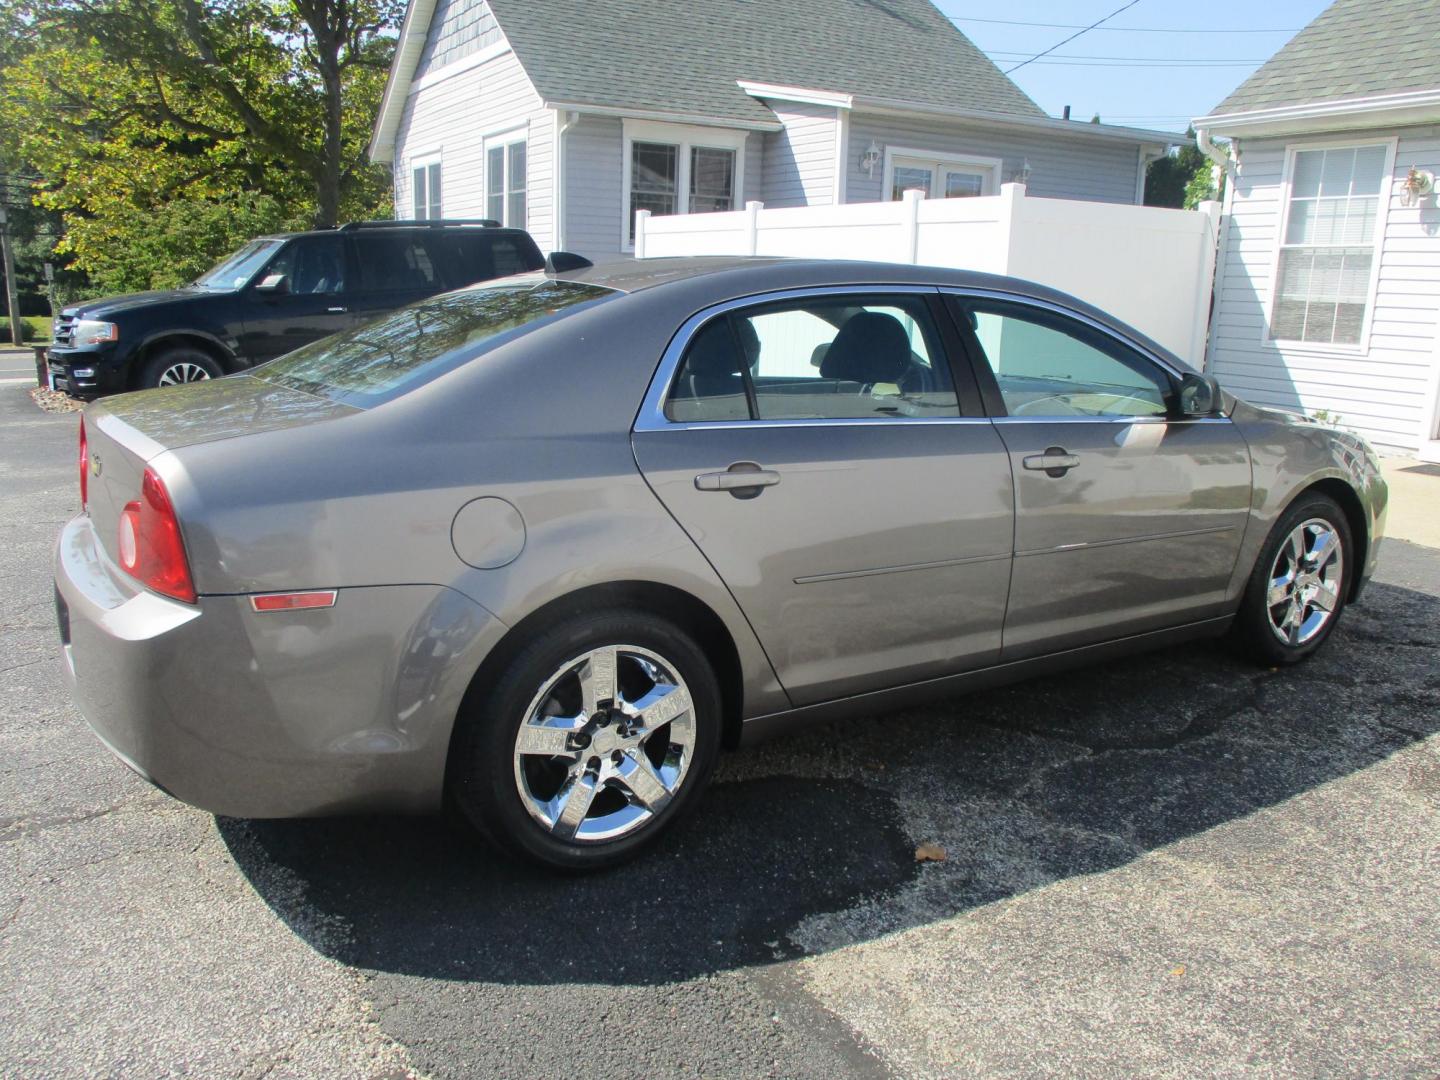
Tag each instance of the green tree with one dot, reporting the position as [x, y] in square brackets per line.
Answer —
[166, 133]
[1182, 178]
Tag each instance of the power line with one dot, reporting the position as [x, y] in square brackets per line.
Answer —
[1136, 59]
[1114, 29]
[1157, 67]
[1073, 36]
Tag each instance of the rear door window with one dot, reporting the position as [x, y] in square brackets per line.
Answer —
[820, 358]
[394, 262]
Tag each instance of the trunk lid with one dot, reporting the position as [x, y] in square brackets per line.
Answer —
[125, 433]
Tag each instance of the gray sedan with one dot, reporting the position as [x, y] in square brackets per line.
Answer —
[537, 550]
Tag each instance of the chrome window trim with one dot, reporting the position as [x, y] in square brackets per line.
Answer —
[1068, 312]
[652, 409]
[1128, 420]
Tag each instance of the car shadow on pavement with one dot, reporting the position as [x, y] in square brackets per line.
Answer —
[1073, 774]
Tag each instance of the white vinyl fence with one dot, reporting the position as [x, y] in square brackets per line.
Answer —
[1150, 267]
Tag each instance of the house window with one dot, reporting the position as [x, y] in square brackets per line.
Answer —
[939, 176]
[505, 180]
[1327, 250]
[677, 169]
[425, 189]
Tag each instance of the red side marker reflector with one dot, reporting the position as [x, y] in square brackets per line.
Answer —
[293, 601]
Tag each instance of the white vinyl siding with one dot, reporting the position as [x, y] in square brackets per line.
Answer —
[799, 167]
[594, 179]
[1381, 387]
[1060, 167]
[453, 118]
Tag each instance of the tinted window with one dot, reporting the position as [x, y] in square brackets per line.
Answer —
[822, 358]
[394, 262]
[416, 344]
[1048, 365]
[311, 265]
[465, 256]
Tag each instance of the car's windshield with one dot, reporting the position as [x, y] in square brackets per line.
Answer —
[419, 343]
[236, 270]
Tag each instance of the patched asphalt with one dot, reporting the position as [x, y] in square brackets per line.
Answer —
[1176, 865]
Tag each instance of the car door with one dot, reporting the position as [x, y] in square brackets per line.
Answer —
[1128, 516]
[815, 447]
[301, 296]
[394, 268]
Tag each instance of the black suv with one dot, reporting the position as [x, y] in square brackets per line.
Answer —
[274, 295]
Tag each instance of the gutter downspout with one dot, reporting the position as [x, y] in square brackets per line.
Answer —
[1218, 157]
[564, 121]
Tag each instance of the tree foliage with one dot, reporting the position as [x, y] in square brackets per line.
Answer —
[167, 132]
[1182, 178]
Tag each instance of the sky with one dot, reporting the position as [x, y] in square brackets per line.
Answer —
[1152, 76]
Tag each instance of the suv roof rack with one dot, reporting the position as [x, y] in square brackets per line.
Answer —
[434, 223]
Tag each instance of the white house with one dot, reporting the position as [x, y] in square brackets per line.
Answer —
[568, 116]
[1328, 285]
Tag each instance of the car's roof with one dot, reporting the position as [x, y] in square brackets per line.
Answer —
[730, 277]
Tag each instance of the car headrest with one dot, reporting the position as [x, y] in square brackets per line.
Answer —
[712, 351]
[749, 342]
[871, 347]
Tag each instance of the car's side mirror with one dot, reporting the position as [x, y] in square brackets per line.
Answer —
[1199, 395]
[273, 285]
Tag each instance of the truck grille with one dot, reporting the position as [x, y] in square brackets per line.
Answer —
[64, 330]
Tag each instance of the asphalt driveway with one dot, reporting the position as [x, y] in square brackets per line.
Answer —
[1178, 865]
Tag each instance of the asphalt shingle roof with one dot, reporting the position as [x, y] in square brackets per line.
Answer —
[1355, 48]
[685, 57]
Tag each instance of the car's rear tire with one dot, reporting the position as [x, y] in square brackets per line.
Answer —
[1298, 586]
[594, 739]
[177, 365]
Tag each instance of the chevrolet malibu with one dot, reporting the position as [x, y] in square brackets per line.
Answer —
[537, 550]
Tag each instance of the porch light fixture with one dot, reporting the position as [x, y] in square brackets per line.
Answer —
[870, 158]
[1022, 175]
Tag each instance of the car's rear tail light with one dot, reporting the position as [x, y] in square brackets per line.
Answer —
[84, 468]
[293, 601]
[151, 548]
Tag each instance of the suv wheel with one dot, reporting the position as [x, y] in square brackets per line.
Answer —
[180, 364]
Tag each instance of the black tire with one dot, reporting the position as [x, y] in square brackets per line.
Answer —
[177, 359]
[482, 785]
[1253, 632]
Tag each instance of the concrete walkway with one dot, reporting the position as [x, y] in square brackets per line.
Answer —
[1414, 501]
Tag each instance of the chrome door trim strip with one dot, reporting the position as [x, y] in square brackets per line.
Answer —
[1090, 544]
[652, 409]
[1061, 309]
[840, 575]
[854, 421]
[1111, 419]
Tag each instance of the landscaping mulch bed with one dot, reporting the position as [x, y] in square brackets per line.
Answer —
[55, 400]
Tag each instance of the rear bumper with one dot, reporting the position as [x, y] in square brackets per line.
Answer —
[276, 715]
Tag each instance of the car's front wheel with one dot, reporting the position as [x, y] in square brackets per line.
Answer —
[179, 365]
[1298, 587]
[596, 737]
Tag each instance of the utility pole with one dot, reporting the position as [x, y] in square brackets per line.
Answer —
[12, 299]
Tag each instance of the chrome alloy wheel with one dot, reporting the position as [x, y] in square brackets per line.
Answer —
[605, 744]
[1305, 582]
[182, 371]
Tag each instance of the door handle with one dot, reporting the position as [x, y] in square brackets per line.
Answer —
[744, 480]
[1054, 462]
[334, 309]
